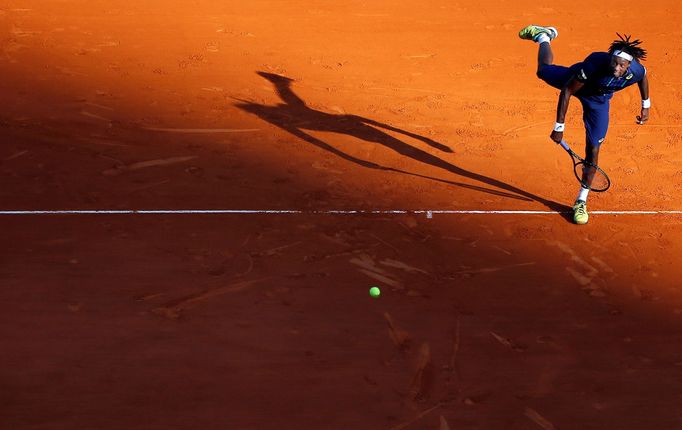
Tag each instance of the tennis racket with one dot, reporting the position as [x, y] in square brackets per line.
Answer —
[589, 175]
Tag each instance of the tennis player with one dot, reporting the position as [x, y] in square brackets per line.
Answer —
[593, 82]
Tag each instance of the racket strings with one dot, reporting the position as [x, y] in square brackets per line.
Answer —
[592, 177]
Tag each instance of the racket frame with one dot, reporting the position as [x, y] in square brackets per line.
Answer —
[585, 163]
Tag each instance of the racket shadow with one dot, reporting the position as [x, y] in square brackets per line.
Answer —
[294, 116]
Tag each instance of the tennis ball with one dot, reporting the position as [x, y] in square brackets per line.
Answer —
[374, 292]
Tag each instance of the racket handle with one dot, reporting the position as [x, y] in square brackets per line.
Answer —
[564, 145]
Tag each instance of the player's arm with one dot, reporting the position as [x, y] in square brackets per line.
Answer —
[562, 107]
[646, 104]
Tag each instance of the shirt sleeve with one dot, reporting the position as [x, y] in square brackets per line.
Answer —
[639, 70]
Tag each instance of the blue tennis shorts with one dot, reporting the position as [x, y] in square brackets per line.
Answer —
[595, 107]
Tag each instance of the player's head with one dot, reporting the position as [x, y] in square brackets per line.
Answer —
[623, 51]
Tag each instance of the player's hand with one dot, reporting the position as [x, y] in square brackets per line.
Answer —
[643, 117]
[557, 136]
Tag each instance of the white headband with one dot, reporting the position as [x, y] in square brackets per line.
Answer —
[623, 55]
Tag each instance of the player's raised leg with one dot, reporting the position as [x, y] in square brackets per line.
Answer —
[542, 36]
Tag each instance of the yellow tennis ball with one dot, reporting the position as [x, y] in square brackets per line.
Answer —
[374, 292]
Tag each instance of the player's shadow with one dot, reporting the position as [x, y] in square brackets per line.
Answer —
[295, 116]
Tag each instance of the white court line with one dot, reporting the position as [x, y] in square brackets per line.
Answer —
[428, 213]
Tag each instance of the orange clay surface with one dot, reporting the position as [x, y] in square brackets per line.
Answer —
[261, 321]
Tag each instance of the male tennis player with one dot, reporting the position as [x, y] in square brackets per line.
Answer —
[593, 82]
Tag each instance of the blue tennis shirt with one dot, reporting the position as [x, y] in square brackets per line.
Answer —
[595, 73]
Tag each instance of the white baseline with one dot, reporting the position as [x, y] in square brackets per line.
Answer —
[427, 212]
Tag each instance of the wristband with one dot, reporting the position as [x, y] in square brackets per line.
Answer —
[646, 104]
[559, 126]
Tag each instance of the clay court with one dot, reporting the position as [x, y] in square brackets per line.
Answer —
[292, 154]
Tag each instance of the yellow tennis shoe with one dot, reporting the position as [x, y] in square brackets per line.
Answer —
[580, 215]
[532, 32]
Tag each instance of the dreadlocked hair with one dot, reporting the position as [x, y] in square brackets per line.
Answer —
[629, 46]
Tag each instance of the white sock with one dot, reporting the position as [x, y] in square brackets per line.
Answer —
[583, 194]
[543, 38]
